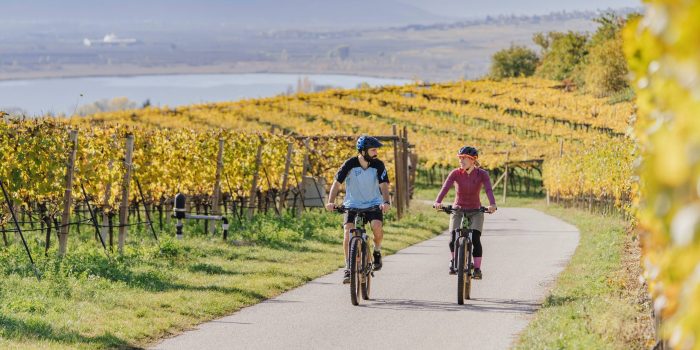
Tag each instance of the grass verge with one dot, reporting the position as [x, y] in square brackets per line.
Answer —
[598, 301]
[88, 301]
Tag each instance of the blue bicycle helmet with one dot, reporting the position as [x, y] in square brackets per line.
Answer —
[366, 142]
[468, 150]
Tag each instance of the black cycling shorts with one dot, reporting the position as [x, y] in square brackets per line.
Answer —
[349, 217]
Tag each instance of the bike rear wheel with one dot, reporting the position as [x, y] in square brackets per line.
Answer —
[366, 274]
[468, 285]
[355, 270]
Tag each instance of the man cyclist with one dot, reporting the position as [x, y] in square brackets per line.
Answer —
[366, 185]
[468, 179]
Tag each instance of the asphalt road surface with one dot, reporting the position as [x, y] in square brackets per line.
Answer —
[413, 299]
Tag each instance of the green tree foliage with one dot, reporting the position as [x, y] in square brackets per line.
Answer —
[609, 27]
[594, 62]
[606, 70]
[516, 61]
[562, 55]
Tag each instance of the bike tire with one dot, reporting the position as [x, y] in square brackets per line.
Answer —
[461, 270]
[355, 270]
[366, 273]
[468, 282]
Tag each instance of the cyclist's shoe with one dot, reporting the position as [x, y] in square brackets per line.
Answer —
[477, 274]
[346, 277]
[452, 268]
[377, 260]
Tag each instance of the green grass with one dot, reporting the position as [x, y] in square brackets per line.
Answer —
[597, 302]
[88, 301]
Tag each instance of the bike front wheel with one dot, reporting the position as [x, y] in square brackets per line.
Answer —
[463, 275]
[355, 269]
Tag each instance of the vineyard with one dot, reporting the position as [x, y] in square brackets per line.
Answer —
[520, 122]
[525, 118]
[525, 128]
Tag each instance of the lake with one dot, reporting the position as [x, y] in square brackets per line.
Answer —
[60, 95]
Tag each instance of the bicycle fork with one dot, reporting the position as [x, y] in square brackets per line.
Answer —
[459, 234]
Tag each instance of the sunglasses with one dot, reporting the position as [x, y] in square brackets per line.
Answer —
[466, 156]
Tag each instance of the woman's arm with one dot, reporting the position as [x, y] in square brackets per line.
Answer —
[489, 191]
[445, 188]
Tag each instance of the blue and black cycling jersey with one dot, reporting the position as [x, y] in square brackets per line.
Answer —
[362, 185]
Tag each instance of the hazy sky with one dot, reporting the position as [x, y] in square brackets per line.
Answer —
[480, 8]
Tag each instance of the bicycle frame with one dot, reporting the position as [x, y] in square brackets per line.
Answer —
[360, 232]
[464, 232]
[361, 266]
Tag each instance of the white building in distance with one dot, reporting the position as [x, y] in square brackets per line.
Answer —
[109, 39]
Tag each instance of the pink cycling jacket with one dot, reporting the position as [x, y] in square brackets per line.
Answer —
[468, 188]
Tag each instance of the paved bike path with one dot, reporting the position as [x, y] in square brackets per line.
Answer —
[413, 302]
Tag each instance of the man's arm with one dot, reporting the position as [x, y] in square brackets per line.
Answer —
[384, 188]
[335, 188]
[339, 179]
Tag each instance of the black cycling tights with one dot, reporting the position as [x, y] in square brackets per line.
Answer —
[476, 240]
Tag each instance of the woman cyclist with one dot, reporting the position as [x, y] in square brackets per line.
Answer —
[468, 180]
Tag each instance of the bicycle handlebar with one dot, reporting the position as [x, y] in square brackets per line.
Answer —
[450, 209]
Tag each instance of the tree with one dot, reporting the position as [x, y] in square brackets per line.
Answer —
[609, 26]
[606, 71]
[516, 61]
[562, 55]
[606, 68]
[107, 105]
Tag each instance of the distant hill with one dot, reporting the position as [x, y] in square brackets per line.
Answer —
[470, 9]
[268, 14]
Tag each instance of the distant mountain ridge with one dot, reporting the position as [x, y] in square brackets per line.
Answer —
[269, 14]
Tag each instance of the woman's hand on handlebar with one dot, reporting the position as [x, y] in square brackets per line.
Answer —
[330, 206]
[491, 209]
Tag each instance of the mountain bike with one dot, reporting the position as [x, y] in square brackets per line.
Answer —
[360, 258]
[463, 263]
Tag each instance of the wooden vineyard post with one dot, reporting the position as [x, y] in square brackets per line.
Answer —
[505, 179]
[304, 173]
[216, 208]
[124, 207]
[398, 186]
[285, 179]
[256, 175]
[104, 230]
[561, 148]
[406, 185]
[68, 195]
